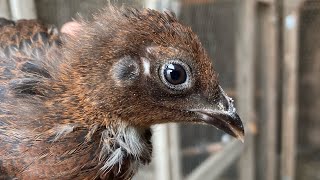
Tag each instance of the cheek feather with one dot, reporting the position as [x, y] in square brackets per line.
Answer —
[146, 66]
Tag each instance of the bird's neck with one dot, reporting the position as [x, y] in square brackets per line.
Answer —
[125, 148]
[122, 147]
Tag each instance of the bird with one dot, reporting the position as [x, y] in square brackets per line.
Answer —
[82, 106]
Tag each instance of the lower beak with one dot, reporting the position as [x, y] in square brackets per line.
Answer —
[228, 122]
[222, 115]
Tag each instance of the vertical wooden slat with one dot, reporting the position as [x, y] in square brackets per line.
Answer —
[270, 39]
[289, 97]
[172, 5]
[167, 152]
[23, 9]
[175, 151]
[267, 56]
[161, 152]
[4, 9]
[245, 56]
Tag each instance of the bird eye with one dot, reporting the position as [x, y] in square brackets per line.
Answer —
[175, 74]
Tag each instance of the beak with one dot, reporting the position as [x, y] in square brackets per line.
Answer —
[223, 115]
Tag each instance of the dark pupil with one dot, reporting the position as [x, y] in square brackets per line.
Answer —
[175, 74]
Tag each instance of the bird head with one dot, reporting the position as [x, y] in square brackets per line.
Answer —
[145, 68]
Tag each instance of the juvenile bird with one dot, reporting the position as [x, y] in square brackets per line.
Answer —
[81, 106]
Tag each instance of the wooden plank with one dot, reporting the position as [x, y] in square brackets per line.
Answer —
[167, 159]
[217, 163]
[289, 95]
[23, 9]
[268, 70]
[172, 5]
[161, 152]
[4, 9]
[245, 56]
[175, 152]
[167, 152]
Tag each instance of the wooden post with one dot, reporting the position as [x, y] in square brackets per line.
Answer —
[23, 9]
[268, 70]
[289, 97]
[4, 9]
[175, 151]
[172, 5]
[167, 152]
[161, 152]
[245, 56]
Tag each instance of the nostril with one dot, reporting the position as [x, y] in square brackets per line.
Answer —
[226, 104]
[223, 103]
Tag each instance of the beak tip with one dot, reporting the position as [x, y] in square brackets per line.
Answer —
[241, 137]
[237, 128]
[238, 134]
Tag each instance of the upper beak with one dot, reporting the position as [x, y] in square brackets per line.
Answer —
[223, 116]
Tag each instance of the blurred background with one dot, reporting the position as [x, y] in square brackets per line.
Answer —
[267, 53]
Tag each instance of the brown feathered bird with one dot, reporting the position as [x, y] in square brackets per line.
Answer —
[81, 107]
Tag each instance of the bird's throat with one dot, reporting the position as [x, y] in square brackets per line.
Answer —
[125, 148]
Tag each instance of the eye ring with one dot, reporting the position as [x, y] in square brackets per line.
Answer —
[176, 75]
